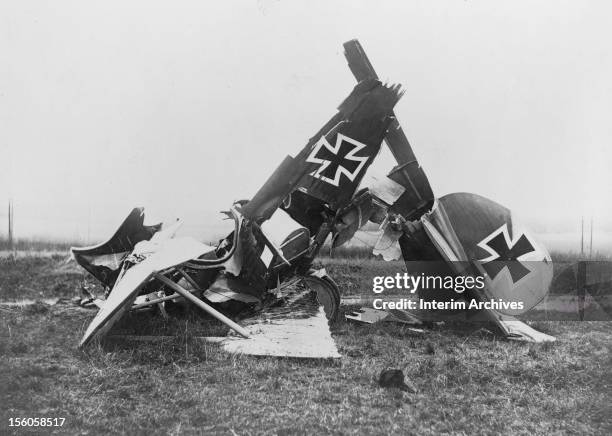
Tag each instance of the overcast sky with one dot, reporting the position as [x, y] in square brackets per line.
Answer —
[184, 107]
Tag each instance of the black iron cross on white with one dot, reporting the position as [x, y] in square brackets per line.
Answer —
[507, 256]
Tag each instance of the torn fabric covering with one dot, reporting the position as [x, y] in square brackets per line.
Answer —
[279, 227]
[387, 244]
[254, 255]
[385, 189]
[103, 261]
[230, 258]
[296, 328]
[369, 204]
[169, 253]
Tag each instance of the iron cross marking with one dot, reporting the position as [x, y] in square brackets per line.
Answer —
[505, 255]
[336, 160]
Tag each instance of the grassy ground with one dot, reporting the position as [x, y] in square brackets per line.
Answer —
[39, 244]
[466, 381]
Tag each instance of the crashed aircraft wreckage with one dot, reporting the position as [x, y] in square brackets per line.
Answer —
[265, 265]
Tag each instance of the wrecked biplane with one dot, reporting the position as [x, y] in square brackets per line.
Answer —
[264, 267]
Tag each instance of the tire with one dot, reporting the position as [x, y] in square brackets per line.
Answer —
[328, 294]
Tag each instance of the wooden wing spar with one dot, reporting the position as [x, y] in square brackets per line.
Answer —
[418, 197]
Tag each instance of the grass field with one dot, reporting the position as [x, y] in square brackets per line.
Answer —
[466, 381]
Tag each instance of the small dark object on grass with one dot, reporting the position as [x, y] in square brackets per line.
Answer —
[394, 378]
[429, 348]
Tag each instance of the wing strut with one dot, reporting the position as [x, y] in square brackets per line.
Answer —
[195, 300]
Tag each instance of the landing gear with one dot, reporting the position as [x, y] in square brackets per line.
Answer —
[328, 294]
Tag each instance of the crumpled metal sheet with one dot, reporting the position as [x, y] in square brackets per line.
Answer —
[368, 315]
[517, 330]
[385, 189]
[352, 218]
[387, 244]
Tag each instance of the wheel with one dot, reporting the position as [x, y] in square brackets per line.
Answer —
[327, 291]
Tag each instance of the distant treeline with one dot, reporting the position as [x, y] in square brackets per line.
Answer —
[364, 252]
[344, 252]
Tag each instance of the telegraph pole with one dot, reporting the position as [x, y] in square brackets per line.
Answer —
[591, 243]
[582, 237]
[10, 225]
